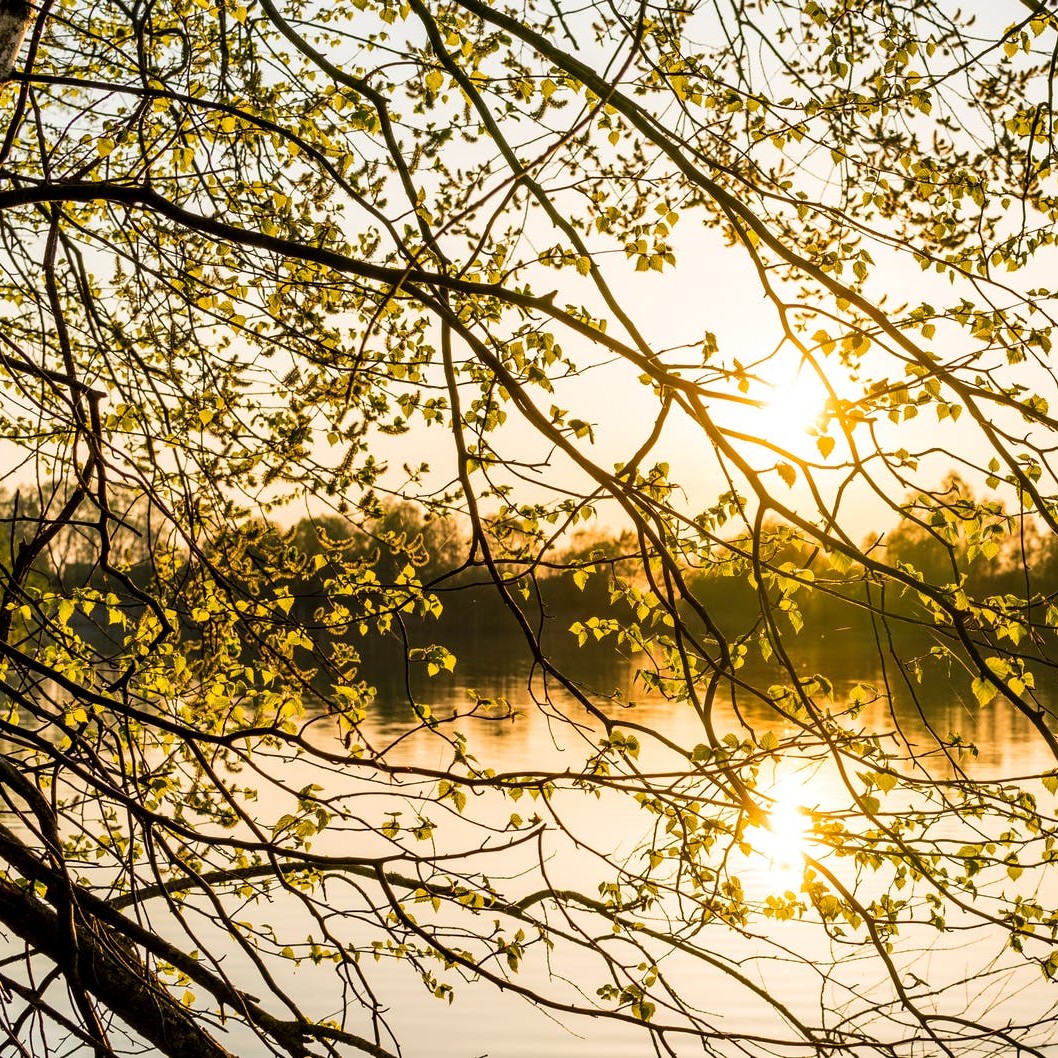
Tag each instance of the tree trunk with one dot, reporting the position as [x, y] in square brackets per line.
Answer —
[145, 1007]
[15, 19]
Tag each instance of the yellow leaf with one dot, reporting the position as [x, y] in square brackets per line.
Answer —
[826, 343]
[983, 691]
[885, 781]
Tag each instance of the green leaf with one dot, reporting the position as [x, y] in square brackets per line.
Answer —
[983, 691]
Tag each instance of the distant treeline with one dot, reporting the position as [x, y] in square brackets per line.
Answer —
[593, 579]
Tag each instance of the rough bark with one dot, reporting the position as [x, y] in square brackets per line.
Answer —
[121, 938]
[15, 19]
[109, 975]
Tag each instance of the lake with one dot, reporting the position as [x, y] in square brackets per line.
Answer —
[727, 980]
[834, 980]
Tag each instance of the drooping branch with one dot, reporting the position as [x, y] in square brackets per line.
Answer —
[205, 377]
[113, 976]
[112, 970]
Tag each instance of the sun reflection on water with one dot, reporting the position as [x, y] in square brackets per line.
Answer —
[782, 836]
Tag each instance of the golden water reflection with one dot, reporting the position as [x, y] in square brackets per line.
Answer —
[782, 837]
[798, 799]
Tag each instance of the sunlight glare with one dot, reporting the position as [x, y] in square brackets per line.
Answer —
[782, 838]
[793, 409]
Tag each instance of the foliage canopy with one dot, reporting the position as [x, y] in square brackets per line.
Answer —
[253, 257]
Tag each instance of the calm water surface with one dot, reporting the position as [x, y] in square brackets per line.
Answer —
[481, 1021]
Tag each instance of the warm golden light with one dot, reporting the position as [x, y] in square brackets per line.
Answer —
[793, 409]
[781, 837]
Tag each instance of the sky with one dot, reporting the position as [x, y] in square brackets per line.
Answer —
[714, 288]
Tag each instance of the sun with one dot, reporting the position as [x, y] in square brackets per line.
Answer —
[784, 409]
[792, 409]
